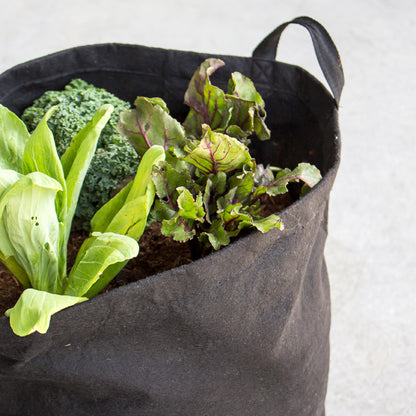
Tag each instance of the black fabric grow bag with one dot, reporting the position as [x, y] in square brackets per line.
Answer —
[243, 331]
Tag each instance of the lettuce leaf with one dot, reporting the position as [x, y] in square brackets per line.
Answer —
[38, 198]
[34, 309]
[127, 212]
[40, 155]
[96, 254]
[13, 139]
[30, 231]
[77, 158]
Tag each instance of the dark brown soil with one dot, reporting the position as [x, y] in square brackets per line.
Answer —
[157, 253]
[10, 290]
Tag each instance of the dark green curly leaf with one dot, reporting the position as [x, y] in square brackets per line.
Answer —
[149, 124]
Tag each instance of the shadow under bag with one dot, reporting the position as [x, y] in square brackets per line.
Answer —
[243, 331]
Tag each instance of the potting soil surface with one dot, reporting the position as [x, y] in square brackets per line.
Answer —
[170, 254]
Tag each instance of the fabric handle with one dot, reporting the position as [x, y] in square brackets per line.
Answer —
[325, 50]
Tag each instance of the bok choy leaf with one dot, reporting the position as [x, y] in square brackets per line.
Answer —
[34, 309]
[126, 213]
[38, 197]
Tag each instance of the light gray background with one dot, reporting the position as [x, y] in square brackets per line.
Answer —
[371, 245]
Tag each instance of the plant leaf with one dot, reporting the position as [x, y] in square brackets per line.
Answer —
[127, 212]
[208, 102]
[178, 229]
[267, 223]
[216, 235]
[30, 231]
[263, 176]
[40, 155]
[232, 221]
[248, 106]
[161, 211]
[13, 139]
[242, 87]
[160, 102]
[308, 173]
[131, 219]
[167, 179]
[232, 216]
[7, 179]
[106, 277]
[218, 152]
[34, 309]
[150, 124]
[77, 158]
[189, 207]
[214, 187]
[180, 225]
[260, 128]
[244, 184]
[304, 172]
[96, 254]
[241, 123]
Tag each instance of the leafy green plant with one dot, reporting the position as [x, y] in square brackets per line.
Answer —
[210, 188]
[114, 159]
[38, 197]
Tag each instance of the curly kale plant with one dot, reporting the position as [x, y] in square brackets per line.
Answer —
[114, 160]
[209, 187]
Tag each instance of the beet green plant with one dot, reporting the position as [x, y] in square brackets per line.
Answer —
[38, 197]
[209, 188]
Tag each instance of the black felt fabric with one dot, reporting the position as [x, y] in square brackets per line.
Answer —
[244, 331]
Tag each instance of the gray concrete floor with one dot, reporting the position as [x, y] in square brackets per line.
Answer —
[372, 229]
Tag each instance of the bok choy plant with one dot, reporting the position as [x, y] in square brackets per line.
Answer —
[38, 197]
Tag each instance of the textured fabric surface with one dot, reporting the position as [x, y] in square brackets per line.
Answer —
[241, 332]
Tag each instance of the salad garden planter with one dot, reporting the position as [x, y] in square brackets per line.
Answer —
[242, 331]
